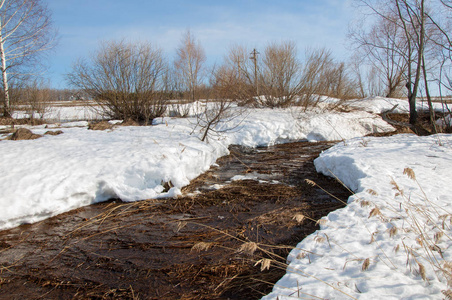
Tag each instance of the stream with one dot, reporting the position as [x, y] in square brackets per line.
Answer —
[206, 244]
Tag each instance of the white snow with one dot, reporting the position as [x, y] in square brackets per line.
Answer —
[381, 104]
[65, 113]
[47, 176]
[328, 263]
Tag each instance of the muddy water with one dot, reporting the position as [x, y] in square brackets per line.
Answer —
[185, 248]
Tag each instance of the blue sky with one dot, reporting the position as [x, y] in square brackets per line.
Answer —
[83, 24]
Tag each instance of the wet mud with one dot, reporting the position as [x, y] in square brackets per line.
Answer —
[208, 244]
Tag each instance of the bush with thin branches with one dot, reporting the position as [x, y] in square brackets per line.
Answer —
[125, 79]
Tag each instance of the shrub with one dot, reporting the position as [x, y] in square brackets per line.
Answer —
[125, 79]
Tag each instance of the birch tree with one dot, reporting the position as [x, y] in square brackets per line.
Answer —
[26, 31]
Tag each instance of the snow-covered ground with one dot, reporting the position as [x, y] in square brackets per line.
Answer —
[408, 232]
[380, 104]
[396, 224]
[64, 113]
[53, 174]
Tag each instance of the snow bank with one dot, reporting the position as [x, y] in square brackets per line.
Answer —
[379, 105]
[368, 253]
[64, 113]
[264, 127]
[54, 174]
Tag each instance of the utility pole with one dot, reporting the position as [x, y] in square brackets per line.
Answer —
[256, 81]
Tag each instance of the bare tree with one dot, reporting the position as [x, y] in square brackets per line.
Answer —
[173, 86]
[285, 81]
[384, 48]
[36, 98]
[280, 74]
[441, 37]
[358, 73]
[221, 104]
[410, 18]
[323, 76]
[189, 63]
[313, 76]
[237, 72]
[126, 80]
[25, 33]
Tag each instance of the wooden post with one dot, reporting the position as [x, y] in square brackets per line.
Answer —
[256, 81]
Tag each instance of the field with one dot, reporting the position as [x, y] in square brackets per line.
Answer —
[401, 201]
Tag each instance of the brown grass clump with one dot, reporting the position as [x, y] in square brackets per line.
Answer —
[201, 246]
[396, 187]
[448, 294]
[265, 264]
[393, 231]
[438, 236]
[248, 248]
[375, 212]
[129, 123]
[410, 173]
[319, 239]
[310, 182]
[422, 271]
[25, 121]
[24, 134]
[366, 264]
[365, 203]
[372, 192]
[299, 218]
[50, 132]
[103, 125]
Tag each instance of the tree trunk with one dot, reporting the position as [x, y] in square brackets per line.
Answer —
[6, 101]
[412, 90]
[413, 112]
[429, 99]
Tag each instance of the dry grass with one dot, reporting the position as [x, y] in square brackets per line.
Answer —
[201, 246]
[365, 265]
[248, 248]
[102, 125]
[448, 294]
[374, 212]
[24, 134]
[265, 264]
